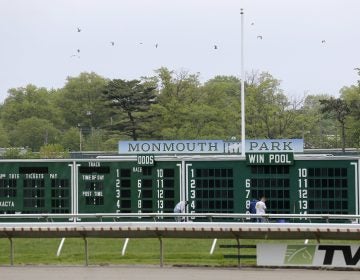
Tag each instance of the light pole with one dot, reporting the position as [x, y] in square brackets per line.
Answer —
[89, 114]
[242, 94]
[80, 137]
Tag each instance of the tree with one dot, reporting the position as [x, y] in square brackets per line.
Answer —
[222, 94]
[13, 153]
[177, 84]
[340, 110]
[269, 113]
[81, 102]
[131, 100]
[95, 141]
[351, 95]
[70, 139]
[180, 111]
[19, 153]
[27, 102]
[4, 137]
[53, 151]
[34, 133]
[314, 125]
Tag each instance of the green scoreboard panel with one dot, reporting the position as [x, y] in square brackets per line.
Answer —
[127, 187]
[305, 186]
[35, 187]
[213, 187]
[272, 181]
[328, 187]
[211, 184]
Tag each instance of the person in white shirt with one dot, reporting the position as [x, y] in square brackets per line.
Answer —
[261, 208]
[180, 208]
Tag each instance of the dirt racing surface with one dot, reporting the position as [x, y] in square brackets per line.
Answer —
[166, 273]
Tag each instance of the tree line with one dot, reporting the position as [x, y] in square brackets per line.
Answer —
[92, 113]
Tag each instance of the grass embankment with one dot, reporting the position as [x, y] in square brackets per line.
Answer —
[108, 251]
[139, 251]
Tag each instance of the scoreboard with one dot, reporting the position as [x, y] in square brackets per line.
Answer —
[293, 184]
[35, 187]
[127, 187]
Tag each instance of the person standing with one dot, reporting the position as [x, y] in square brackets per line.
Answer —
[252, 209]
[180, 208]
[261, 208]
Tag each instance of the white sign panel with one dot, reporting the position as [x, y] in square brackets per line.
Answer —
[274, 146]
[210, 146]
[308, 255]
[172, 147]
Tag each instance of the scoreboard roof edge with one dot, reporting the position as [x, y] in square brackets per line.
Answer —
[225, 157]
[67, 160]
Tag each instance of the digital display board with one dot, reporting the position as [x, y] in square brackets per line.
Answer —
[154, 184]
[35, 187]
[128, 187]
[303, 187]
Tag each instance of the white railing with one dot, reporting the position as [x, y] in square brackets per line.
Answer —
[158, 217]
[163, 225]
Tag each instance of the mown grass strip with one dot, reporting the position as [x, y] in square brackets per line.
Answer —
[139, 251]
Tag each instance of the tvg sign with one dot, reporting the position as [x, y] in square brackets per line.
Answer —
[309, 255]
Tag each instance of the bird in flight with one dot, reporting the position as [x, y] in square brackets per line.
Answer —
[323, 41]
[259, 37]
[112, 43]
[215, 47]
[78, 50]
[78, 29]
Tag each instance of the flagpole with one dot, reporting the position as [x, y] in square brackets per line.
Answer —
[242, 95]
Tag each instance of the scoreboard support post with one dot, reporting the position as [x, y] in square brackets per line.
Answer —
[86, 251]
[11, 251]
[357, 188]
[182, 180]
[238, 251]
[75, 209]
[161, 252]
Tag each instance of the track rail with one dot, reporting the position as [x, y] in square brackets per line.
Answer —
[193, 216]
[237, 226]
[183, 230]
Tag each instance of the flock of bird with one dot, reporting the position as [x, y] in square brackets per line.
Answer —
[112, 43]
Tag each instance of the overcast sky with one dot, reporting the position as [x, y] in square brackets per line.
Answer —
[39, 40]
